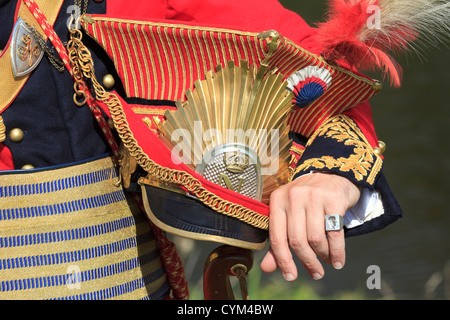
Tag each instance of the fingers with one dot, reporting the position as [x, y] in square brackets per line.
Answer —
[279, 254]
[288, 230]
[297, 224]
[269, 263]
[305, 237]
[316, 232]
[336, 241]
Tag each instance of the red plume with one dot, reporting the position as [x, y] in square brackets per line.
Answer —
[347, 38]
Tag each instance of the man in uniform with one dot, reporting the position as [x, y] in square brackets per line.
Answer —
[68, 228]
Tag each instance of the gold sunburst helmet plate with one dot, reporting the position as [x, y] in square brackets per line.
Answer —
[234, 106]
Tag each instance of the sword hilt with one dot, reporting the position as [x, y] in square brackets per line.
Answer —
[223, 262]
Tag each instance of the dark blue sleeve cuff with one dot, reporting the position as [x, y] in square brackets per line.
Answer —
[392, 211]
[339, 147]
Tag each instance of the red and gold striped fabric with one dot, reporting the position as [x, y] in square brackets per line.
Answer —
[160, 61]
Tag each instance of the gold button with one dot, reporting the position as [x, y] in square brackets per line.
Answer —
[380, 149]
[382, 146]
[377, 151]
[16, 135]
[27, 167]
[108, 81]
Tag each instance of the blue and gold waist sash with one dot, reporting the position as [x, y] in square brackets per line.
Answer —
[71, 233]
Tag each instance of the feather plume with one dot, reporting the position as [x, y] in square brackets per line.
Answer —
[365, 34]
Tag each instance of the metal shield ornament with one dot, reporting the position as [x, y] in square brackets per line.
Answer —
[235, 167]
[26, 53]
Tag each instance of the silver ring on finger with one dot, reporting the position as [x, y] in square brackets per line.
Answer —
[334, 222]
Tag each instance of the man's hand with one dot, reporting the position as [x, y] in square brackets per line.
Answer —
[297, 222]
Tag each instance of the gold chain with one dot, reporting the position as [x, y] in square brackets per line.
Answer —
[81, 62]
[57, 63]
[78, 4]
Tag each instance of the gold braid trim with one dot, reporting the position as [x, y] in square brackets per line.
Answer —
[364, 163]
[2, 130]
[253, 218]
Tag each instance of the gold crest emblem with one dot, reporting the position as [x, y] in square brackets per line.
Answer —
[235, 162]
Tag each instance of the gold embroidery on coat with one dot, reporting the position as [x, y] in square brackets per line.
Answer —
[363, 163]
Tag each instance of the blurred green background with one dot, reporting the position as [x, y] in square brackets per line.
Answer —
[414, 253]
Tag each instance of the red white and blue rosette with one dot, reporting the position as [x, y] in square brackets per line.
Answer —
[308, 85]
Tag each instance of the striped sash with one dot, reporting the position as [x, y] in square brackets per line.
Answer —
[69, 233]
